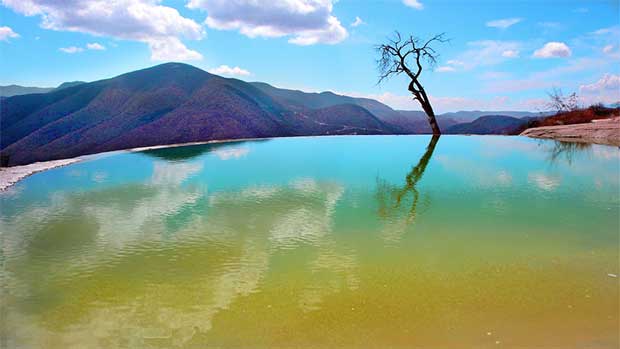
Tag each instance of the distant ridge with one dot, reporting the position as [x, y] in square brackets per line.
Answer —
[17, 90]
[69, 84]
[468, 116]
[489, 124]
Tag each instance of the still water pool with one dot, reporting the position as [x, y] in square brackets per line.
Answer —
[333, 242]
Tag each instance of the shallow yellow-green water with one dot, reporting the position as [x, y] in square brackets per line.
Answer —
[337, 242]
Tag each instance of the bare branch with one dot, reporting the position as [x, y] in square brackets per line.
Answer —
[409, 56]
[561, 103]
[394, 55]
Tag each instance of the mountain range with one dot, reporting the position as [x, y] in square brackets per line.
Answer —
[489, 124]
[177, 103]
[17, 90]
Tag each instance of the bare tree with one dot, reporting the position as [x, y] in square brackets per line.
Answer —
[560, 103]
[407, 56]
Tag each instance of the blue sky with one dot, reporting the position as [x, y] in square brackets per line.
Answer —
[502, 54]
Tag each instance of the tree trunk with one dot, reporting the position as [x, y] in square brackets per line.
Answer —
[430, 115]
[433, 122]
[420, 95]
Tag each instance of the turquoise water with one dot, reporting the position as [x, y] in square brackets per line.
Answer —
[353, 241]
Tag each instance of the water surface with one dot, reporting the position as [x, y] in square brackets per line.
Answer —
[332, 242]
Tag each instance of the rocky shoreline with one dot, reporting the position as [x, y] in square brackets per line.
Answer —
[12, 175]
[603, 131]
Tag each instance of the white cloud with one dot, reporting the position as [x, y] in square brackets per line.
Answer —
[443, 104]
[95, 46]
[510, 54]
[455, 62]
[487, 52]
[556, 76]
[503, 23]
[482, 53]
[604, 39]
[333, 35]
[71, 49]
[171, 49]
[358, 21]
[7, 33]
[581, 10]
[308, 22]
[226, 70]
[451, 66]
[451, 103]
[414, 4]
[90, 46]
[608, 82]
[161, 27]
[553, 49]
[445, 69]
[615, 30]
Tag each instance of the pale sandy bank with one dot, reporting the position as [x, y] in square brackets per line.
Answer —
[605, 131]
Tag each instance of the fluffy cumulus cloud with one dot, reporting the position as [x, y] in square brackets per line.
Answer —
[161, 27]
[414, 4]
[609, 82]
[553, 49]
[503, 23]
[307, 22]
[226, 70]
[7, 33]
[171, 49]
[95, 46]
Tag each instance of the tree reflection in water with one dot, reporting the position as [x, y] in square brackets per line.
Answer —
[391, 197]
[567, 150]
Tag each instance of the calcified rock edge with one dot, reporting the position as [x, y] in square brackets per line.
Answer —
[605, 131]
[11, 175]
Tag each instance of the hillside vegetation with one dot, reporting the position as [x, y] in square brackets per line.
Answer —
[578, 116]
